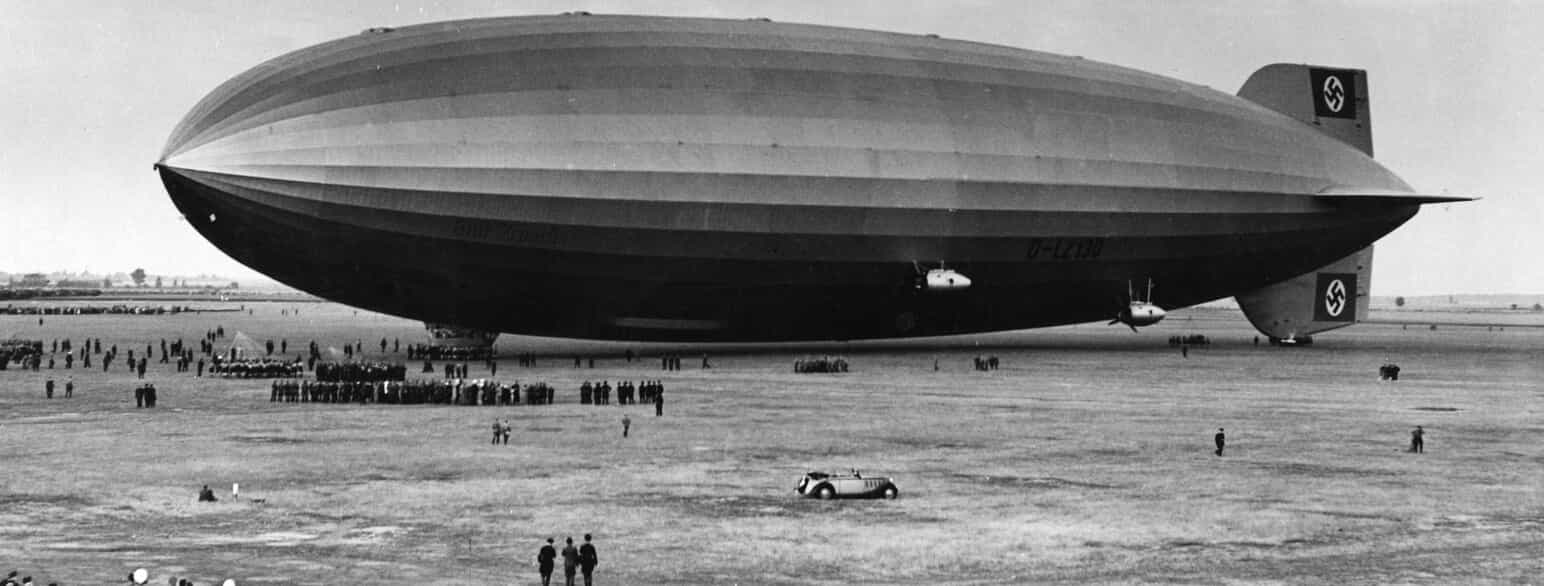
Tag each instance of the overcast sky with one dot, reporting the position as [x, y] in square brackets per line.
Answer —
[89, 92]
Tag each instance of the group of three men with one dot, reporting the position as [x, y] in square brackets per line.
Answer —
[581, 559]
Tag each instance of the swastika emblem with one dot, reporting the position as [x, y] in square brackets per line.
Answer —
[1334, 94]
[1335, 298]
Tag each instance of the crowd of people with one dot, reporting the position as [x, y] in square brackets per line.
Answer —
[627, 392]
[821, 364]
[985, 364]
[256, 368]
[433, 392]
[431, 352]
[93, 309]
[360, 371]
[1195, 340]
[26, 352]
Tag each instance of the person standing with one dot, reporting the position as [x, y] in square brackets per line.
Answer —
[507, 428]
[587, 559]
[1220, 440]
[1417, 442]
[544, 561]
[570, 562]
[659, 402]
[48, 388]
[498, 430]
[69, 387]
[626, 424]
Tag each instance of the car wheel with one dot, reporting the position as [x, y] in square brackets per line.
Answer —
[825, 492]
[891, 492]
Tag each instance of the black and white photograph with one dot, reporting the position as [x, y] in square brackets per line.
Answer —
[731, 292]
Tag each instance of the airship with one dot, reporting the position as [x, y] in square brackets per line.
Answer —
[690, 179]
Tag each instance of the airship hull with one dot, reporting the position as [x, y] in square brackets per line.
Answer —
[682, 179]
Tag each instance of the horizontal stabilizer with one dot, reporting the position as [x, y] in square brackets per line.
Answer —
[1387, 196]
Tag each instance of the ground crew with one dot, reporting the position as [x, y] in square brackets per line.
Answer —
[1219, 438]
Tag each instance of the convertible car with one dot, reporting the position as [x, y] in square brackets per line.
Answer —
[853, 485]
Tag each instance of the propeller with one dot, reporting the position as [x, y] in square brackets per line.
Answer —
[1151, 313]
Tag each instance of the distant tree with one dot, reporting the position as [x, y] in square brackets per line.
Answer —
[1399, 302]
[1514, 307]
[139, 277]
[235, 285]
[1538, 307]
[158, 282]
[107, 283]
[34, 280]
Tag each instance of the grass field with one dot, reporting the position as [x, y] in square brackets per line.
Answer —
[1086, 458]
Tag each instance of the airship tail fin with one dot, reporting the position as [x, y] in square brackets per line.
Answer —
[1330, 297]
[1334, 101]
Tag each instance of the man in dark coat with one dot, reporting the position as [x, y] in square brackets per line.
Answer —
[1220, 441]
[544, 560]
[587, 559]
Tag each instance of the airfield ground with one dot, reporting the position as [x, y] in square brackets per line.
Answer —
[1086, 458]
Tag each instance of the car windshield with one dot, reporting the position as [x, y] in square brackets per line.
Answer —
[819, 475]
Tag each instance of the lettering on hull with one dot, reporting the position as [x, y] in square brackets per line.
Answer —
[1064, 249]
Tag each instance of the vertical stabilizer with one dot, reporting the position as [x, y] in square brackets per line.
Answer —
[1334, 101]
[1333, 296]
